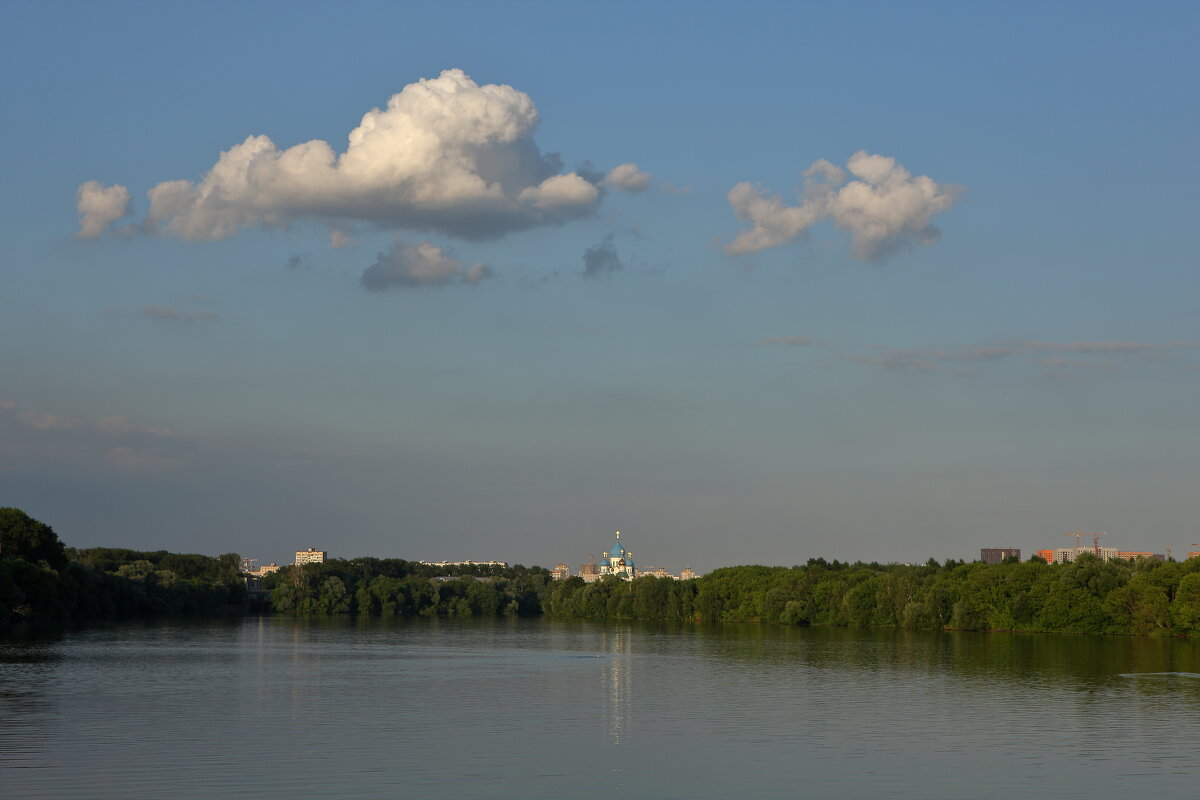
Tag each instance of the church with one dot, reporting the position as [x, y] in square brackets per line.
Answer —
[614, 561]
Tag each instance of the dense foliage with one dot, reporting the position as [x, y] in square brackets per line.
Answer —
[42, 579]
[1089, 596]
[394, 587]
[23, 537]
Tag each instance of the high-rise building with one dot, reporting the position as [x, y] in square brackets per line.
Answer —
[589, 571]
[310, 556]
[561, 572]
[995, 555]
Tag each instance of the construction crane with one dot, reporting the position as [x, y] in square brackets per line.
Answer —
[1095, 540]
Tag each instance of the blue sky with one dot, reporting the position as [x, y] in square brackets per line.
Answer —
[510, 353]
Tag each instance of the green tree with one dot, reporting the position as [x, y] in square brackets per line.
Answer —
[22, 536]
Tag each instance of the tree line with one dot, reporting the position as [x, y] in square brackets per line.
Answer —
[1138, 597]
[41, 578]
[394, 587]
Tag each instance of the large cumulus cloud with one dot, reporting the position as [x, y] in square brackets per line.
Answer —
[883, 207]
[445, 155]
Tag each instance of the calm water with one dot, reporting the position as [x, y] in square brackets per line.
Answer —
[279, 708]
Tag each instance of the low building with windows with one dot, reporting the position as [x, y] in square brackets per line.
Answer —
[1132, 555]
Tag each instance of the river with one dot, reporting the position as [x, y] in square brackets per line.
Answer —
[275, 707]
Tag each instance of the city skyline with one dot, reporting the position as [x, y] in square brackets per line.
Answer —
[756, 283]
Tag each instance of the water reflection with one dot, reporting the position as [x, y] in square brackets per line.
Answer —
[617, 644]
[516, 708]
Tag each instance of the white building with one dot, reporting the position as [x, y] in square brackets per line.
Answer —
[310, 556]
[615, 561]
[1064, 554]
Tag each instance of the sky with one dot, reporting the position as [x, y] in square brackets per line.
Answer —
[749, 282]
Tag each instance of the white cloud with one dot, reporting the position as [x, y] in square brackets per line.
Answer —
[415, 265]
[446, 154]
[628, 177]
[99, 206]
[559, 193]
[883, 208]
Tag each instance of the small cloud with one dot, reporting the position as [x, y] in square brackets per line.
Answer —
[907, 361]
[671, 188]
[478, 273]
[162, 312]
[883, 208]
[1060, 363]
[412, 266]
[339, 238]
[601, 259]
[147, 459]
[629, 178]
[561, 194]
[1054, 357]
[114, 425]
[176, 314]
[99, 206]
[528, 278]
[112, 440]
[119, 426]
[46, 422]
[794, 341]
[296, 262]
